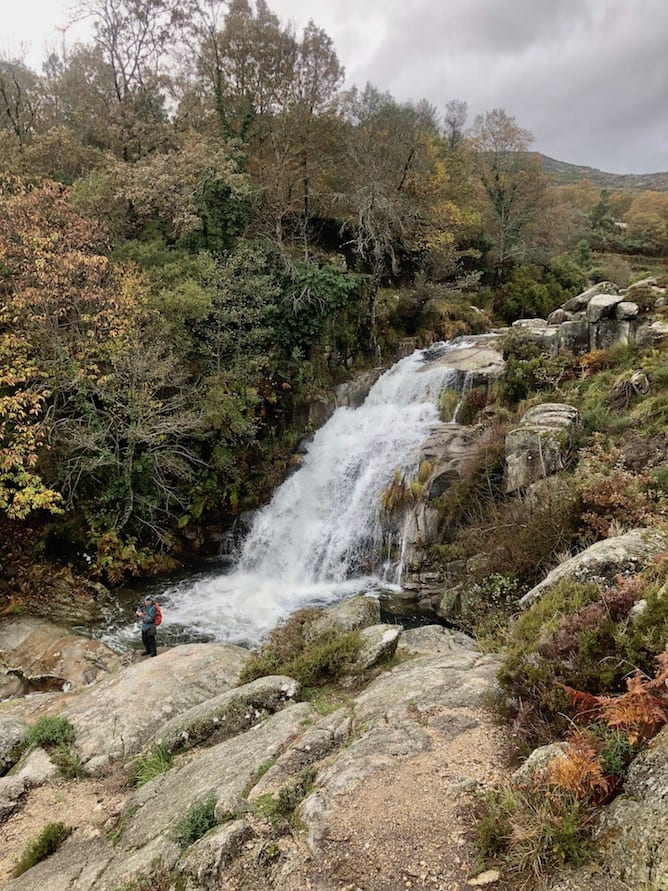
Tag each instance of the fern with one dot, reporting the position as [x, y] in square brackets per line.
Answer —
[640, 712]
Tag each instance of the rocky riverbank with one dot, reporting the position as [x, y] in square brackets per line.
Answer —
[371, 787]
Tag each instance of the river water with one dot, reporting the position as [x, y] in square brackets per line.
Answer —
[320, 538]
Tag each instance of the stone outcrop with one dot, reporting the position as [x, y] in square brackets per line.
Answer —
[339, 751]
[228, 714]
[624, 554]
[632, 833]
[12, 740]
[116, 718]
[379, 642]
[601, 317]
[38, 656]
[541, 445]
[355, 612]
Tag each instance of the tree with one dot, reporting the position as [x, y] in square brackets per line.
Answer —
[383, 217]
[647, 220]
[132, 39]
[512, 182]
[455, 117]
[20, 101]
[90, 377]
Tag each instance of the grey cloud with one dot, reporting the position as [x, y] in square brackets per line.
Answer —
[588, 77]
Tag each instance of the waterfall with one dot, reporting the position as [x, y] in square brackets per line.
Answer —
[320, 537]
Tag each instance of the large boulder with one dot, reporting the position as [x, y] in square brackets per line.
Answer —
[355, 612]
[623, 554]
[228, 714]
[633, 831]
[12, 740]
[540, 446]
[581, 301]
[378, 642]
[118, 716]
[603, 306]
[38, 656]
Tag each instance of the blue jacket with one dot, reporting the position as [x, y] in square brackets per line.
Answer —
[148, 616]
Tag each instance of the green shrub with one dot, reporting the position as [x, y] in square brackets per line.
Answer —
[282, 644]
[488, 607]
[533, 830]
[68, 763]
[49, 731]
[312, 661]
[585, 638]
[150, 765]
[528, 370]
[288, 799]
[616, 750]
[518, 536]
[46, 843]
[199, 819]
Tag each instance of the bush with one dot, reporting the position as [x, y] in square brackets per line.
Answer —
[199, 819]
[312, 661]
[528, 370]
[288, 799]
[520, 536]
[585, 638]
[150, 765]
[50, 731]
[610, 494]
[46, 843]
[68, 763]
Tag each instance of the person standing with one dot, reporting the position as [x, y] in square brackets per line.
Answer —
[147, 614]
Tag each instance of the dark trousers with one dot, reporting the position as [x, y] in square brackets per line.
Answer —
[148, 639]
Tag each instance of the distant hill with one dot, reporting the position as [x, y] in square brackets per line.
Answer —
[632, 182]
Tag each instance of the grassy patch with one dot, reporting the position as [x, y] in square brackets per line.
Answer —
[532, 831]
[68, 763]
[150, 764]
[283, 806]
[199, 819]
[116, 834]
[46, 843]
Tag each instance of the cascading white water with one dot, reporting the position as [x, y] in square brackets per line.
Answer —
[320, 537]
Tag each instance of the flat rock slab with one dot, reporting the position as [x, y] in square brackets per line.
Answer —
[227, 714]
[116, 718]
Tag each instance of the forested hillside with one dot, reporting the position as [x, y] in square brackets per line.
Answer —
[201, 229]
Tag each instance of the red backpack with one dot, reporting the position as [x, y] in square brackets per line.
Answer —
[158, 612]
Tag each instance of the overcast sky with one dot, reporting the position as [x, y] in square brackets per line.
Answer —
[589, 78]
